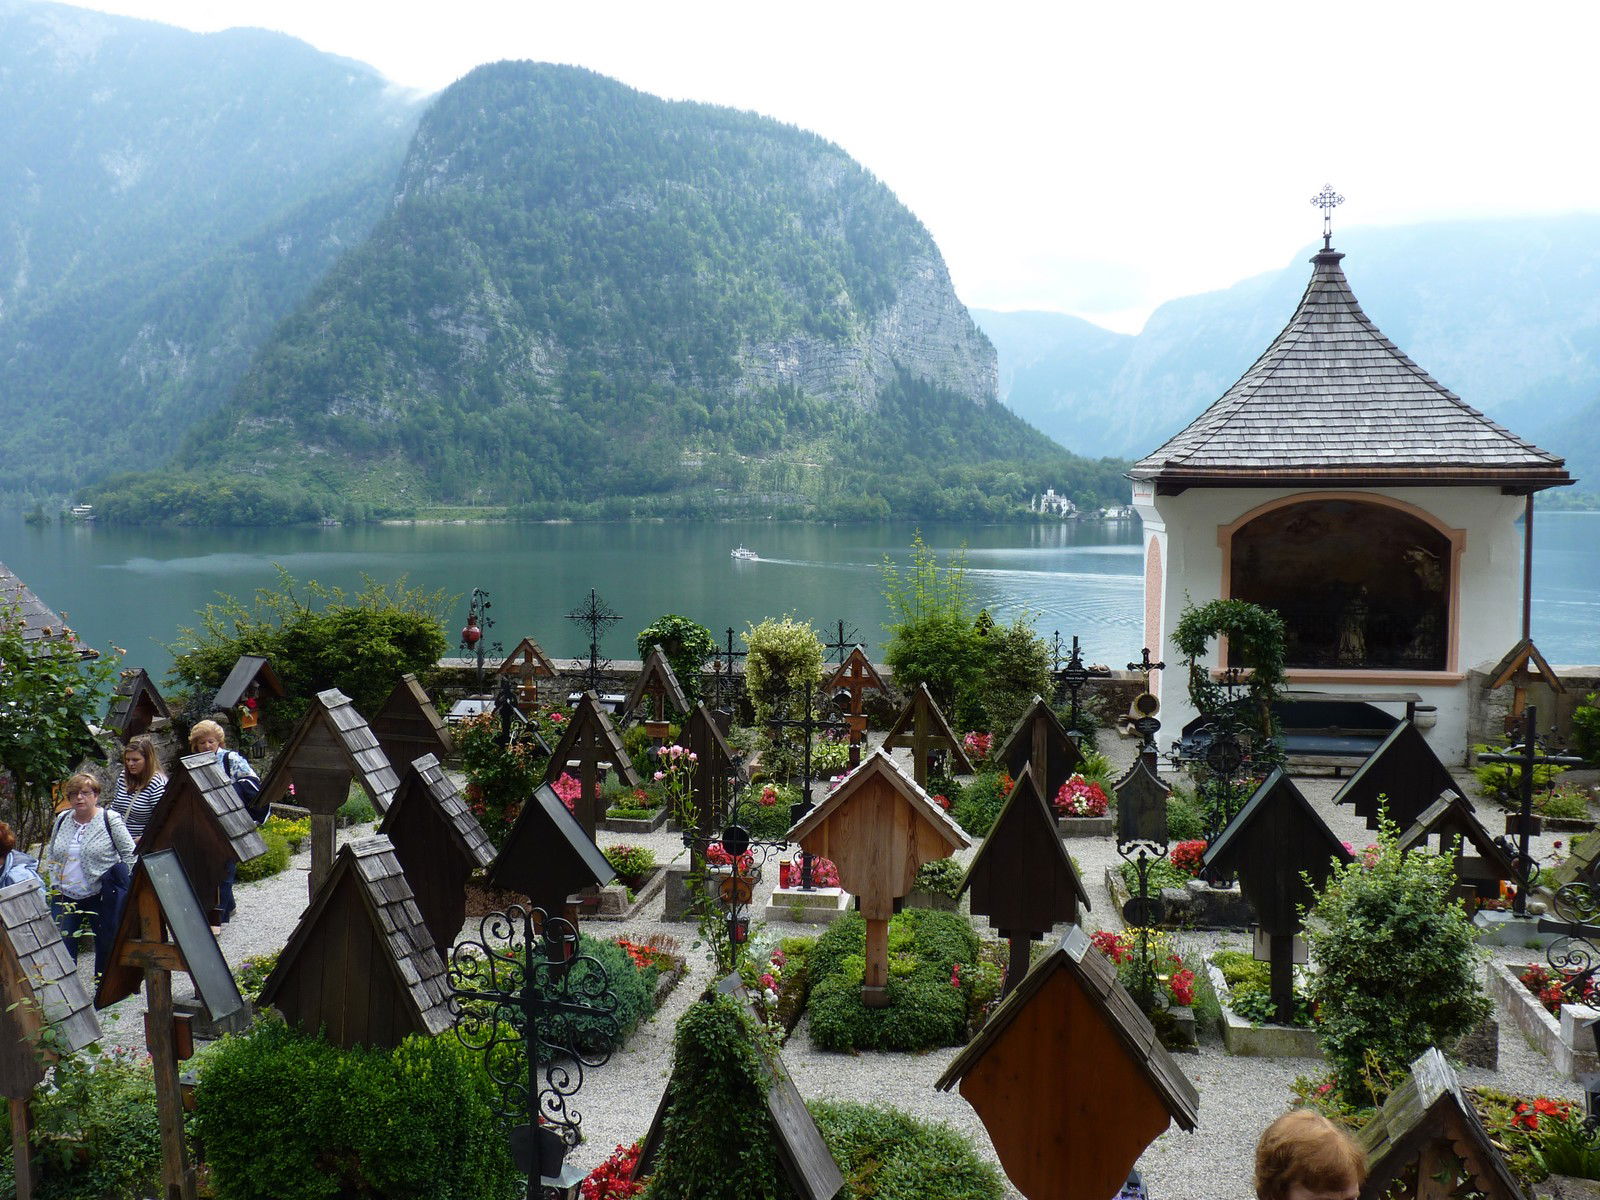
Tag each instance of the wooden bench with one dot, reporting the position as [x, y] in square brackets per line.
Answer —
[1338, 729]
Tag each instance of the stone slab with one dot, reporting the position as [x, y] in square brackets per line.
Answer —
[628, 825]
[819, 906]
[641, 897]
[1508, 929]
[1083, 827]
[1242, 1038]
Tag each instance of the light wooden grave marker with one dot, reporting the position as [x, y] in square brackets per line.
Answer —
[331, 746]
[1070, 1079]
[439, 844]
[408, 725]
[39, 992]
[878, 827]
[660, 687]
[526, 665]
[1459, 832]
[1403, 775]
[1523, 665]
[361, 966]
[590, 743]
[1022, 878]
[202, 818]
[135, 705]
[855, 677]
[548, 857]
[922, 729]
[1040, 739]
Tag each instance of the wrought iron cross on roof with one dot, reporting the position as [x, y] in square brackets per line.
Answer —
[1327, 200]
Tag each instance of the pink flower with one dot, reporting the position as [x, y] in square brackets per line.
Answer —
[659, 776]
[767, 981]
[955, 975]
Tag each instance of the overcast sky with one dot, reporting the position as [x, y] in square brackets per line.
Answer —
[1096, 158]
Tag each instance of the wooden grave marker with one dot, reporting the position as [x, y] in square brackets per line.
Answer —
[1041, 739]
[548, 857]
[135, 705]
[717, 771]
[408, 725]
[526, 665]
[878, 827]
[1459, 832]
[1283, 853]
[39, 991]
[331, 746]
[251, 676]
[1022, 878]
[163, 930]
[658, 686]
[1428, 1125]
[855, 677]
[361, 966]
[1404, 773]
[439, 844]
[922, 729]
[1070, 1079]
[1523, 665]
[202, 818]
[590, 743]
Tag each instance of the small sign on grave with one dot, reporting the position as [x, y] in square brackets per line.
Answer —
[1261, 947]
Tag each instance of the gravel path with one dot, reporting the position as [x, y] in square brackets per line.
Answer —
[1239, 1096]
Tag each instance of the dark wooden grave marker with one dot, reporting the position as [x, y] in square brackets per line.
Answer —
[439, 844]
[878, 827]
[1404, 773]
[251, 676]
[408, 725]
[1428, 1124]
[717, 771]
[590, 743]
[655, 692]
[548, 856]
[331, 746]
[922, 729]
[202, 818]
[526, 665]
[1459, 832]
[1022, 878]
[361, 966]
[39, 991]
[135, 705]
[1041, 739]
[1069, 1078]
[855, 677]
[1283, 853]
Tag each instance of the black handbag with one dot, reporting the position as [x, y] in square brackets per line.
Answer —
[113, 893]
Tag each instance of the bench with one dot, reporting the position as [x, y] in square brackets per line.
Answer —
[1338, 729]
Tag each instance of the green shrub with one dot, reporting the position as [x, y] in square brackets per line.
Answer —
[932, 636]
[979, 802]
[1242, 970]
[630, 861]
[499, 778]
[687, 645]
[1014, 668]
[1503, 781]
[783, 658]
[1586, 729]
[1097, 768]
[357, 810]
[766, 814]
[1185, 820]
[273, 862]
[942, 877]
[830, 756]
[885, 1154]
[294, 833]
[288, 1117]
[1568, 804]
[252, 972]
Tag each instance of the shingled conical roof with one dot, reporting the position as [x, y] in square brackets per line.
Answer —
[1332, 399]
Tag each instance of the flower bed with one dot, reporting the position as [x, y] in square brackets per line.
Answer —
[1083, 809]
[633, 810]
[1243, 986]
[1569, 1047]
[1173, 1015]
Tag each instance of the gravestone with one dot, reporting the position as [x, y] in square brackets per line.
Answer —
[1459, 833]
[408, 725]
[855, 677]
[922, 729]
[1404, 774]
[1040, 739]
[135, 705]
[547, 856]
[1069, 1078]
[439, 844]
[201, 817]
[361, 966]
[878, 827]
[590, 743]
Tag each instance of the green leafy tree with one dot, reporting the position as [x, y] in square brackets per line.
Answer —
[1015, 668]
[783, 658]
[933, 638]
[687, 644]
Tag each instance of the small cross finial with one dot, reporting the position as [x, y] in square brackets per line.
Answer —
[1327, 200]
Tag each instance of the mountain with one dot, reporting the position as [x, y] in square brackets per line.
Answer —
[584, 294]
[166, 198]
[1504, 313]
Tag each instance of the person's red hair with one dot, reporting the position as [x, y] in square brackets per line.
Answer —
[1305, 1147]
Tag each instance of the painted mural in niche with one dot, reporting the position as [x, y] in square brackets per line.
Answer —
[1360, 586]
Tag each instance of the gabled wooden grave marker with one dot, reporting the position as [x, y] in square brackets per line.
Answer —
[1523, 665]
[163, 930]
[361, 966]
[547, 856]
[1459, 833]
[202, 818]
[135, 705]
[526, 665]
[807, 1164]
[1069, 1078]
[439, 844]
[1022, 878]
[590, 743]
[716, 772]
[1428, 1124]
[251, 676]
[1403, 773]
[1040, 738]
[856, 676]
[1582, 865]
[1283, 854]
[39, 991]
[331, 746]
[922, 729]
[408, 725]
[655, 692]
[878, 827]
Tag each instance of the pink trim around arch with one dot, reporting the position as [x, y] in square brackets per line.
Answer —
[1458, 544]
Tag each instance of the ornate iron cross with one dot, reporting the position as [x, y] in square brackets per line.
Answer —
[844, 643]
[1327, 200]
[596, 616]
[722, 686]
[1070, 678]
[809, 722]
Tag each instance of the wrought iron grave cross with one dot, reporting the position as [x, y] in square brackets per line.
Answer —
[722, 661]
[1070, 679]
[844, 643]
[595, 616]
[1527, 756]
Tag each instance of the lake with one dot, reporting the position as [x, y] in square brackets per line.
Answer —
[135, 587]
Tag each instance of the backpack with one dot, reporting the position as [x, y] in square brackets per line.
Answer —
[21, 868]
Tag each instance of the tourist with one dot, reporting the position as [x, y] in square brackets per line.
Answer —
[140, 785]
[206, 738]
[1304, 1156]
[86, 860]
[18, 865]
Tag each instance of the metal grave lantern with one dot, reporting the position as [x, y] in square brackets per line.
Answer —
[922, 729]
[408, 725]
[591, 744]
[1039, 738]
[547, 856]
[850, 683]
[201, 817]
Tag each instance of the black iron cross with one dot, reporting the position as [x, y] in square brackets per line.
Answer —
[722, 661]
[1327, 200]
[596, 616]
[1145, 665]
[845, 642]
[1070, 679]
[809, 722]
[1527, 756]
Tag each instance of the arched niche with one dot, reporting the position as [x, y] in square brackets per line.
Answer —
[1362, 583]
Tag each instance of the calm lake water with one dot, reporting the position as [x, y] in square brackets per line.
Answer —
[136, 587]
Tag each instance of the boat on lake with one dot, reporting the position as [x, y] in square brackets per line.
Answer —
[745, 553]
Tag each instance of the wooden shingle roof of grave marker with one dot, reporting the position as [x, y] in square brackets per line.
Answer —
[547, 856]
[660, 686]
[135, 704]
[590, 740]
[1404, 771]
[361, 965]
[1522, 665]
[921, 728]
[1070, 1079]
[202, 818]
[408, 725]
[1040, 738]
[439, 844]
[807, 1163]
[1429, 1121]
[39, 990]
[251, 668]
[1450, 820]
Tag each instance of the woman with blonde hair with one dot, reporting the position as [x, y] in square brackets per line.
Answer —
[206, 737]
[140, 784]
[86, 860]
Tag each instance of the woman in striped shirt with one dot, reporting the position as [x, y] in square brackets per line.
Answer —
[140, 786]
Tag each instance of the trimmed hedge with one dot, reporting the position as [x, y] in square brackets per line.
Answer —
[885, 1154]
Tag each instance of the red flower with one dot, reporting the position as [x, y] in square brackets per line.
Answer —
[1182, 986]
[1186, 856]
[942, 801]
